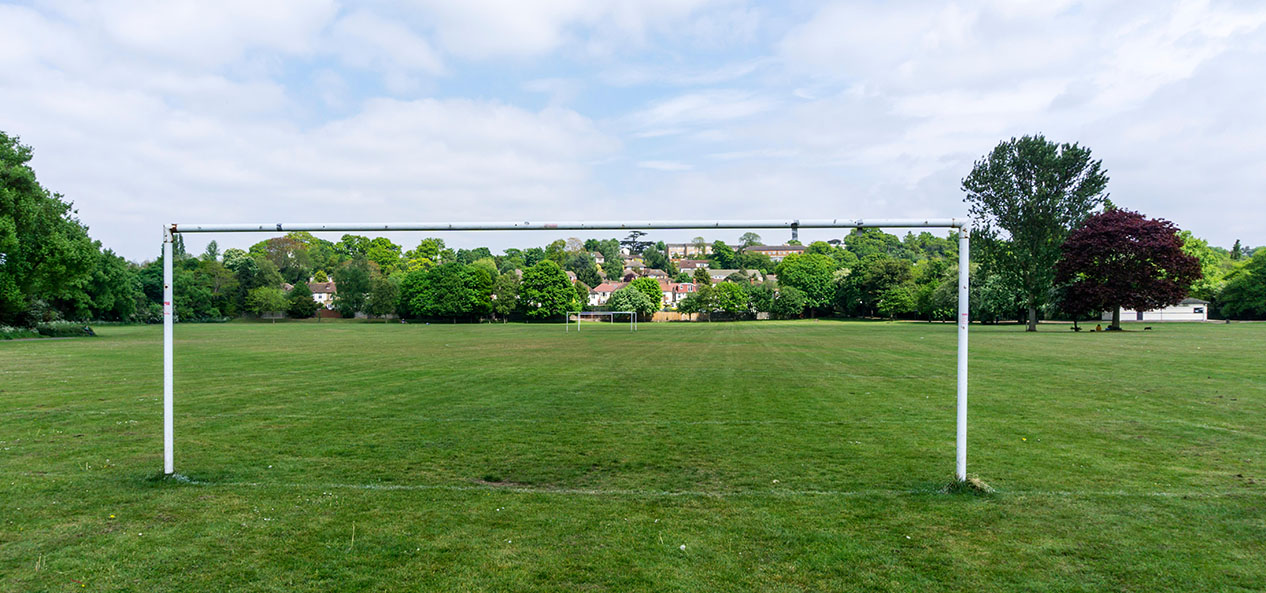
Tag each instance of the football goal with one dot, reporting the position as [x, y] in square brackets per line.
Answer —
[597, 316]
[960, 224]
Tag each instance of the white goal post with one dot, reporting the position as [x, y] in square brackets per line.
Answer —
[961, 224]
[567, 318]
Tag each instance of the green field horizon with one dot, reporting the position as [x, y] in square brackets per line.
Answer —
[746, 456]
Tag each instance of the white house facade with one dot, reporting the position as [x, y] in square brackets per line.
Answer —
[1188, 310]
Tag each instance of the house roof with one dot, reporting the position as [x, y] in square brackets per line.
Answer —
[322, 287]
[775, 248]
[609, 287]
[1191, 301]
[723, 272]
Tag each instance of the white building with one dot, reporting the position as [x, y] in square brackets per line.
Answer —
[323, 293]
[674, 292]
[1188, 310]
[600, 294]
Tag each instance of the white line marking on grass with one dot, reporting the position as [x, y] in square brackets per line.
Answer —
[265, 416]
[776, 493]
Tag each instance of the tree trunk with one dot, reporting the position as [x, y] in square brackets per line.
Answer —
[1032, 319]
[1116, 319]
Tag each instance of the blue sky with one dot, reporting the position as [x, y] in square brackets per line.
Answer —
[150, 112]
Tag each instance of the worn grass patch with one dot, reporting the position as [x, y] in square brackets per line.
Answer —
[771, 456]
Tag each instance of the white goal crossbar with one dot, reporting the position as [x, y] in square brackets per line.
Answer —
[961, 224]
[567, 319]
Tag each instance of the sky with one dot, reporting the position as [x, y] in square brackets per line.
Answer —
[240, 111]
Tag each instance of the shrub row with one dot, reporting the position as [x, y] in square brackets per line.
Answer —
[13, 333]
[62, 329]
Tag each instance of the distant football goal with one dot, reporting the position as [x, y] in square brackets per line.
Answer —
[961, 225]
[598, 316]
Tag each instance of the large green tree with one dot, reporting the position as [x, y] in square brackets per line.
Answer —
[1025, 197]
[732, 299]
[265, 299]
[788, 303]
[650, 287]
[290, 255]
[584, 266]
[383, 252]
[45, 252]
[383, 295]
[811, 273]
[723, 256]
[452, 290]
[632, 299]
[299, 302]
[1245, 294]
[505, 295]
[351, 281]
[862, 290]
[546, 292]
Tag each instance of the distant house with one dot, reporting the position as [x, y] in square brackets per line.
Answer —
[633, 264]
[1188, 310]
[571, 275]
[721, 274]
[673, 292]
[685, 250]
[323, 293]
[776, 252]
[691, 264]
[598, 257]
[654, 273]
[600, 294]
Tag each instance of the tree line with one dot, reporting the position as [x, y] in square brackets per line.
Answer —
[51, 269]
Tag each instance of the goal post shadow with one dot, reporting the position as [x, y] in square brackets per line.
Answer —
[962, 226]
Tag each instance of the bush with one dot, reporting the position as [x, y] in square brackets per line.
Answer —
[788, 303]
[630, 298]
[63, 329]
[13, 333]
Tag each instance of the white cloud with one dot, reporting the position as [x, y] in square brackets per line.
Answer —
[664, 165]
[520, 28]
[699, 108]
[367, 41]
[201, 33]
[150, 112]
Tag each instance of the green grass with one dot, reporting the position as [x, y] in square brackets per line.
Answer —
[784, 456]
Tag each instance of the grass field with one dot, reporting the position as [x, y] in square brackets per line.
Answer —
[769, 456]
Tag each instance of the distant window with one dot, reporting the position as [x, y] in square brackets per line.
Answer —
[1198, 310]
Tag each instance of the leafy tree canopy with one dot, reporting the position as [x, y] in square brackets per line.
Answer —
[546, 292]
[1120, 258]
[1245, 294]
[649, 287]
[299, 302]
[632, 299]
[45, 252]
[811, 274]
[1025, 197]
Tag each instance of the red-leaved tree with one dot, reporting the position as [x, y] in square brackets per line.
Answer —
[1121, 259]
